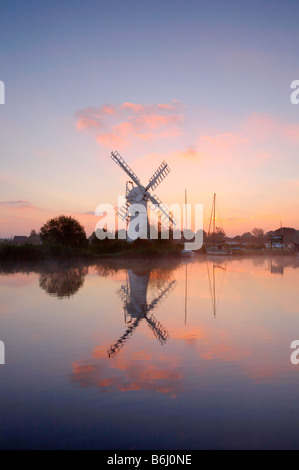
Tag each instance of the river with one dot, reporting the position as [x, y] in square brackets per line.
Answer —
[143, 354]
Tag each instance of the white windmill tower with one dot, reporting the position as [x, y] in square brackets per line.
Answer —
[139, 194]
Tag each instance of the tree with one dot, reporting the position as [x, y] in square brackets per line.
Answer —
[220, 231]
[258, 233]
[63, 230]
[246, 235]
[34, 238]
[218, 236]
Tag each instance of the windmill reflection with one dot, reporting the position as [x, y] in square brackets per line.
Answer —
[137, 307]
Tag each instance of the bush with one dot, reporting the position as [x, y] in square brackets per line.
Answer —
[63, 230]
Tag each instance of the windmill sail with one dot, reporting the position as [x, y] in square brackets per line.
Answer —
[157, 206]
[121, 162]
[123, 212]
[158, 176]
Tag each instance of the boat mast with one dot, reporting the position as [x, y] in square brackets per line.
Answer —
[186, 282]
[186, 207]
[214, 217]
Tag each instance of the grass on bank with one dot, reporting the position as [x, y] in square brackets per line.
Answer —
[104, 248]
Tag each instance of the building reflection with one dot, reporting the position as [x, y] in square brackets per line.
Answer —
[276, 266]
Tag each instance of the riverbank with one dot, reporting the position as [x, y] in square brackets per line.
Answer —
[113, 249]
[118, 249]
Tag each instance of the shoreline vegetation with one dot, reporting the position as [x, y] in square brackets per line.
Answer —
[64, 238]
[105, 249]
[111, 249]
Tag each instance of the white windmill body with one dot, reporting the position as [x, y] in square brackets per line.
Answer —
[142, 195]
[136, 196]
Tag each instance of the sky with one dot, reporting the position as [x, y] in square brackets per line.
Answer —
[203, 85]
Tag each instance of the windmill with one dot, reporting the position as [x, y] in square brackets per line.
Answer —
[138, 194]
[136, 307]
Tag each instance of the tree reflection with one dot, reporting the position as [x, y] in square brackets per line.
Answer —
[63, 281]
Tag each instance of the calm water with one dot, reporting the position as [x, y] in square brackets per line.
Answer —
[141, 355]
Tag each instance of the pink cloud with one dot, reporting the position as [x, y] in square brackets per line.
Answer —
[85, 123]
[190, 153]
[122, 126]
[262, 127]
[17, 204]
[135, 108]
[221, 142]
[165, 106]
[108, 109]
[254, 142]
[111, 139]
[292, 132]
[218, 146]
[93, 117]
[155, 121]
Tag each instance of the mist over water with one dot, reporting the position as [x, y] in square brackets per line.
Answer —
[150, 354]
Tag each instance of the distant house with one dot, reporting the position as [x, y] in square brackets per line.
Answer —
[290, 235]
[20, 240]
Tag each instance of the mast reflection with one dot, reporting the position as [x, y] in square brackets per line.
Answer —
[212, 284]
[137, 307]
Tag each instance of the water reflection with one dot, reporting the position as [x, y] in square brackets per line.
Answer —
[136, 371]
[137, 307]
[145, 288]
[62, 281]
[214, 291]
[56, 278]
[276, 267]
[278, 264]
[163, 374]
